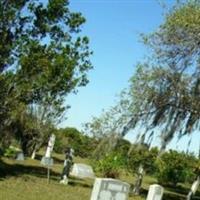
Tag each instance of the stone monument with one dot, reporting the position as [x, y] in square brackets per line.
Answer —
[82, 171]
[194, 188]
[47, 160]
[20, 156]
[155, 192]
[107, 189]
[69, 154]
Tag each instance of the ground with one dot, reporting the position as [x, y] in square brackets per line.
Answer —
[27, 180]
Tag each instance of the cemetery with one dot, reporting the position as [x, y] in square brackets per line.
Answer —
[48, 177]
[132, 133]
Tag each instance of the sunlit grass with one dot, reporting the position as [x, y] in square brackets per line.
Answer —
[27, 180]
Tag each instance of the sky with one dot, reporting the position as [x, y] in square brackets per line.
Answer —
[114, 28]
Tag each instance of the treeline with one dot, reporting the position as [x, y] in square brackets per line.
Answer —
[170, 168]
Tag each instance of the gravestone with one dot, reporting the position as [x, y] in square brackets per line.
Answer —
[69, 154]
[50, 146]
[47, 160]
[155, 192]
[20, 156]
[82, 171]
[194, 188]
[110, 189]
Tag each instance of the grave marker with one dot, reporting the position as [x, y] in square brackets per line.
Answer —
[155, 192]
[194, 188]
[107, 189]
[82, 171]
[20, 156]
[47, 160]
[69, 154]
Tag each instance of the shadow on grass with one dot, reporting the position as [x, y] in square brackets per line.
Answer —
[80, 183]
[171, 194]
[55, 159]
[180, 192]
[20, 169]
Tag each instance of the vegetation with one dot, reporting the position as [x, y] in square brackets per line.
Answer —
[42, 59]
[28, 181]
[174, 167]
[83, 145]
[164, 91]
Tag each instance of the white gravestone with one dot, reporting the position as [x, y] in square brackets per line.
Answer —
[155, 192]
[47, 160]
[20, 156]
[50, 146]
[110, 189]
[82, 171]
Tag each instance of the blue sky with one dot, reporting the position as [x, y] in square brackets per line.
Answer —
[113, 27]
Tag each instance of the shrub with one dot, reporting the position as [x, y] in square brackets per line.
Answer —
[109, 166]
[11, 152]
[173, 168]
[142, 156]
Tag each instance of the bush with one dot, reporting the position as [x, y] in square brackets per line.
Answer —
[173, 168]
[109, 166]
[142, 156]
[11, 152]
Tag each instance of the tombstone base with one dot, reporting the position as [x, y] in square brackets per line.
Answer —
[46, 161]
[64, 181]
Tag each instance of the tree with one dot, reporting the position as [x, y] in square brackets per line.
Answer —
[108, 127]
[82, 144]
[165, 90]
[164, 93]
[43, 57]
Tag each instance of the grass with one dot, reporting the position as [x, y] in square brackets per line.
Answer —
[27, 180]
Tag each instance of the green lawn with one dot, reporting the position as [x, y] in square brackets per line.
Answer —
[27, 181]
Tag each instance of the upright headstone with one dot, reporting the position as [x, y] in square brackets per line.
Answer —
[107, 189]
[69, 154]
[20, 156]
[155, 192]
[50, 146]
[47, 160]
[138, 182]
[194, 188]
[82, 171]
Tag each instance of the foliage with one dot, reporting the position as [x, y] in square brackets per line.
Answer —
[141, 155]
[174, 167]
[164, 91]
[71, 137]
[107, 129]
[110, 165]
[12, 150]
[43, 58]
